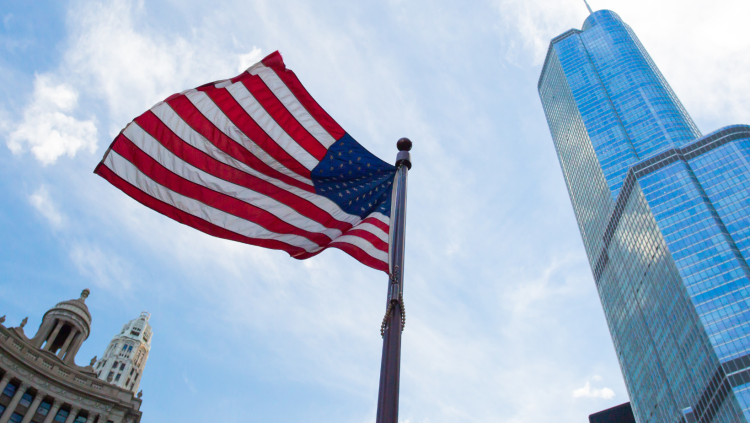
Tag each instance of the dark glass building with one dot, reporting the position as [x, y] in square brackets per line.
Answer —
[622, 413]
[664, 215]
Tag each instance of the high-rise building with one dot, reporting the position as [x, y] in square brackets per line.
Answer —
[125, 357]
[40, 381]
[664, 216]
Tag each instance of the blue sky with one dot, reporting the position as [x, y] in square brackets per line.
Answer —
[504, 324]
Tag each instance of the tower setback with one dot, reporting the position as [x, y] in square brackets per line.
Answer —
[664, 216]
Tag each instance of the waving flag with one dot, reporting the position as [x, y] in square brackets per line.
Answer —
[255, 159]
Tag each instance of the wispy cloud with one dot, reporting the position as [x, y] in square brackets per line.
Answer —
[105, 270]
[189, 383]
[43, 203]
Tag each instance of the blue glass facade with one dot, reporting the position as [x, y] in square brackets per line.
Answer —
[664, 213]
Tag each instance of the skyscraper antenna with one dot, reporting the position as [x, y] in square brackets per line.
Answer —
[588, 7]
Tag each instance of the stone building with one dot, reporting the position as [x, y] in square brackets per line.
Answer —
[125, 358]
[40, 382]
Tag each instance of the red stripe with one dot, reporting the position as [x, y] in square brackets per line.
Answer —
[369, 237]
[187, 218]
[276, 63]
[374, 221]
[281, 115]
[234, 111]
[157, 129]
[223, 202]
[193, 117]
[361, 255]
[354, 251]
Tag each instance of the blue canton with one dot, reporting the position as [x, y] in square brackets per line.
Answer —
[354, 179]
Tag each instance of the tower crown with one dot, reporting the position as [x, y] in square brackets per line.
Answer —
[125, 358]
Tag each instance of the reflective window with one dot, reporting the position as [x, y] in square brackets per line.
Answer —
[9, 390]
[44, 408]
[61, 416]
[26, 400]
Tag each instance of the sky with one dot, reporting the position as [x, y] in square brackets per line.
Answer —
[503, 320]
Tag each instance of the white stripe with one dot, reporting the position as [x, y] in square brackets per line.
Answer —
[363, 244]
[290, 101]
[270, 126]
[211, 111]
[373, 230]
[135, 177]
[174, 164]
[174, 122]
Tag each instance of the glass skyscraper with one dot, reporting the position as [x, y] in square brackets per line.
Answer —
[664, 213]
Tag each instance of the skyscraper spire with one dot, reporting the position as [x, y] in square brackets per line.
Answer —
[588, 7]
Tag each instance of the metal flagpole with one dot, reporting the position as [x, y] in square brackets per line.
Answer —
[395, 317]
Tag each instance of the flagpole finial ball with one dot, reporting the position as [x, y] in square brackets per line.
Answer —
[404, 144]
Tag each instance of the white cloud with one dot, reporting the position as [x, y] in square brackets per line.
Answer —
[249, 59]
[42, 202]
[117, 58]
[587, 392]
[47, 128]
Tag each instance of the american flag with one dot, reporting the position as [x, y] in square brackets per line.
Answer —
[255, 159]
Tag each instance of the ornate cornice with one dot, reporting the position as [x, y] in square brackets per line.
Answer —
[53, 376]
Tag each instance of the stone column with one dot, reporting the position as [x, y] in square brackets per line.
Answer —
[92, 417]
[14, 402]
[53, 411]
[43, 332]
[52, 337]
[4, 382]
[33, 407]
[73, 349]
[68, 340]
[73, 414]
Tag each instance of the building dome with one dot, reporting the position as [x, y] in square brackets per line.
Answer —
[75, 310]
[77, 306]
